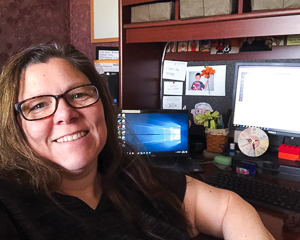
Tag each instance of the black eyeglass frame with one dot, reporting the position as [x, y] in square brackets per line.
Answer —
[63, 95]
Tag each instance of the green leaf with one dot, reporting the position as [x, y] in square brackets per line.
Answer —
[205, 124]
[201, 118]
[212, 124]
[215, 114]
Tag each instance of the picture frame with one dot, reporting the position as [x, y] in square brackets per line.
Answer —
[104, 20]
[214, 85]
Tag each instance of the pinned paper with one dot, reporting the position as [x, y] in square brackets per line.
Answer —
[174, 70]
[173, 88]
[172, 102]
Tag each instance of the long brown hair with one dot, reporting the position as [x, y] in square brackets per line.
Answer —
[20, 163]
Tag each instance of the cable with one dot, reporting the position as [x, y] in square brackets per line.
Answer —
[161, 74]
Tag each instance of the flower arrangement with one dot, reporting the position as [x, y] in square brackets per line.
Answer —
[208, 119]
[207, 72]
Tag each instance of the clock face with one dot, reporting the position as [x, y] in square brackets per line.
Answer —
[253, 142]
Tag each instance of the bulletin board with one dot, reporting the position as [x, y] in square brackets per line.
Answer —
[218, 103]
[104, 21]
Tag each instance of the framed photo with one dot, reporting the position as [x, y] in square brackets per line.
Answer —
[172, 47]
[182, 46]
[226, 46]
[206, 80]
[193, 46]
[205, 45]
[104, 21]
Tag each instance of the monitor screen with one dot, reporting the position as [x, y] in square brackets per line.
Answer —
[151, 132]
[266, 95]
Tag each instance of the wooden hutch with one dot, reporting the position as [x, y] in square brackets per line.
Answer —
[142, 44]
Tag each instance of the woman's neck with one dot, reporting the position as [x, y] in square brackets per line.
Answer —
[87, 188]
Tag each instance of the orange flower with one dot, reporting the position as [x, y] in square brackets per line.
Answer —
[207, 71]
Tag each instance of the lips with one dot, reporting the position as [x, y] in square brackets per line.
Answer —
[72, 137]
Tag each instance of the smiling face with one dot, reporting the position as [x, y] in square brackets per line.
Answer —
[197, 77]
[72, 138]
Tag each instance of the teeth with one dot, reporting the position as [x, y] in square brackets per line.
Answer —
[71, 137]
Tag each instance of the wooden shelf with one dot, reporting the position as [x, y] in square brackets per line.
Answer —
[133, 2]
[226, 27]
[278, 52]
[231, 17]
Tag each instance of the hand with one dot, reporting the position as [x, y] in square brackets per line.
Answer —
[250, 141]
[246, 144]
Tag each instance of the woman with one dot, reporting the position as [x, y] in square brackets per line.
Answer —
[63, 174]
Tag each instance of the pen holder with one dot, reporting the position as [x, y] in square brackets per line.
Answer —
[216, 140]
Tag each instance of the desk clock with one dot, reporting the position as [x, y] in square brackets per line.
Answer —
[253, 142]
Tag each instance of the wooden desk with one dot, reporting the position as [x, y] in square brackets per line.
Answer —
[272, 220]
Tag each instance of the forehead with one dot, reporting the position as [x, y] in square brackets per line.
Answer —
[54, 77]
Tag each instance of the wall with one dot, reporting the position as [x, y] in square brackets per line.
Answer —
[80, 28]
[23, 23]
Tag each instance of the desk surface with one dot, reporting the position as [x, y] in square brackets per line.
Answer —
[272, 220]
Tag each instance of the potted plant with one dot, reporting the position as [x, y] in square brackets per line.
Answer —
[216, 134]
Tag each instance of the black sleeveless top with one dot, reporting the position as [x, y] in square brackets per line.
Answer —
[28, 215]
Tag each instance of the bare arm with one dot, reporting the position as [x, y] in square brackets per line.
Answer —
[205, 86]
[222, 213]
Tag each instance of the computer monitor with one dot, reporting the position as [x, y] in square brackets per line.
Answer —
[267, 95]
[154, 132]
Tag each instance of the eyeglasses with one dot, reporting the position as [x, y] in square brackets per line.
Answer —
[44, 106]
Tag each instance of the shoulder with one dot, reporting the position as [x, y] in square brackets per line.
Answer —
[172, 181]
[206, 206]
[201, 196]
[13, 195]
[11, 188]
[12, 198]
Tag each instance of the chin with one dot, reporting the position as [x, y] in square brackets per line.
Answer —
[72, 166]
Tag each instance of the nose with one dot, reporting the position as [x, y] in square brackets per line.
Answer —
[64, 114]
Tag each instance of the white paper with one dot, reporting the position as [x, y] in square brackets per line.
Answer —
[174, 70]
[215, 84]
[174, 102]
[106, 67]
[108, 54]
[173, 88]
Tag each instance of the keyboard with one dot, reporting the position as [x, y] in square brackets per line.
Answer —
[258, 193]
[181, 164]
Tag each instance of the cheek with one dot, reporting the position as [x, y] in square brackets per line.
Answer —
[36, 133]
[102, 129]
[100, 124]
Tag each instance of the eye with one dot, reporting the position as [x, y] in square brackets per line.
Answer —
[79, 95]
[38, 106]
